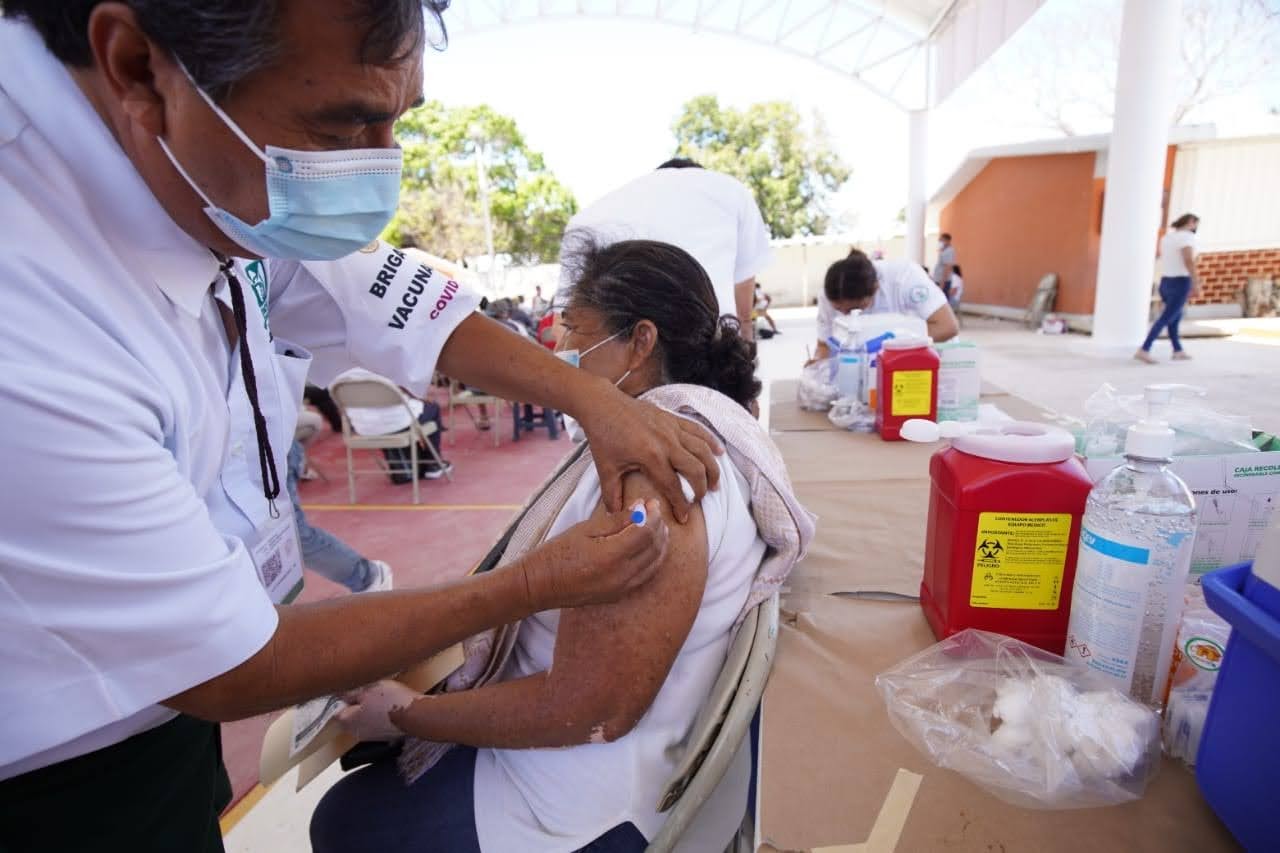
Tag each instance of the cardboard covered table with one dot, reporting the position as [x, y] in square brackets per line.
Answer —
[829, 754]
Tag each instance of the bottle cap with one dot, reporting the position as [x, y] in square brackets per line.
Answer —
[1149, 440]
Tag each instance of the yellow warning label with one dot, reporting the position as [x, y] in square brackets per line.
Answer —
[1019, 560]
[912, 392]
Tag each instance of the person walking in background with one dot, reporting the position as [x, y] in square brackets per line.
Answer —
[945, 268]
[1178, 284]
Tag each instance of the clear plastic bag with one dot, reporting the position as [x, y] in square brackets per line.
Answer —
[817, 389]
[1198, 429]
[852, 414]
[1022, 723]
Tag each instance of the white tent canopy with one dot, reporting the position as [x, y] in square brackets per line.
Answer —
[888, 46]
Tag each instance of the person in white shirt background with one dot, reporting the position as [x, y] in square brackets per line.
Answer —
[1179, 283]
[710, 215]
[147, 550]
[892, 286]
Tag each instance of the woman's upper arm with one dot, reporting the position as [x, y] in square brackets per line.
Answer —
[611, 660]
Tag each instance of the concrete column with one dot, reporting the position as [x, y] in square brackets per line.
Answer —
[918, 151]
[1135, 171]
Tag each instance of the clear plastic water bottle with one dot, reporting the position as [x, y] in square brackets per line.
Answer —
[1135, 554]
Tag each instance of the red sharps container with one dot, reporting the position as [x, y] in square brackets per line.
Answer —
[907, 385]
[1004, 526]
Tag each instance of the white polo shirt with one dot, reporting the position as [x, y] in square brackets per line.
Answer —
[710, 215]
[132, 490]
[905, 288]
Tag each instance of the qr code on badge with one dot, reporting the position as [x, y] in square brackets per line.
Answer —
[271, 569]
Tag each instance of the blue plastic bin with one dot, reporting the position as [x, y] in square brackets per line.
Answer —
[1238, 765]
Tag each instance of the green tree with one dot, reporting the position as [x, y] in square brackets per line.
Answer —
[791, 171]
[440, 192]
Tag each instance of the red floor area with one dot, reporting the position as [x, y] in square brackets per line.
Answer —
[425, 544]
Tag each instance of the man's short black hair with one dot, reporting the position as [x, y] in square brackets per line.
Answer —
[681, 163]
[853, 277]
[945, 236]
[223, 41]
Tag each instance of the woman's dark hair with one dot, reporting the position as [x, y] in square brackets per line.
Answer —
[853, 277]
[638, 280]
[223, 41]
[1185, 219]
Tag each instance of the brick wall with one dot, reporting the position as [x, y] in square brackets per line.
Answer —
[1223, 274]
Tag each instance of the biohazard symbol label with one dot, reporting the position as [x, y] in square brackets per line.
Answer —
[1019, 560]
[990, 550]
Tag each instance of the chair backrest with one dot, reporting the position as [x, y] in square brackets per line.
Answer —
[367, 393]
[722, 723]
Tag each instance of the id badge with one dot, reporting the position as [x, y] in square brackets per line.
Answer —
[278, 559]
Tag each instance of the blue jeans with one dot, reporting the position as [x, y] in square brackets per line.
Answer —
[372, 811]
[1174, 291]
[322, 552]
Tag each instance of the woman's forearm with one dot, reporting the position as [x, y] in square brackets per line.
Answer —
[527, 713]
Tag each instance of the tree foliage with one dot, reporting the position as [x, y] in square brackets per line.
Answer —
[440, 209]
[791, 170]
[1064, 66]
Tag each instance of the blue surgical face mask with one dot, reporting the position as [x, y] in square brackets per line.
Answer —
[322, 205]
[573, 357]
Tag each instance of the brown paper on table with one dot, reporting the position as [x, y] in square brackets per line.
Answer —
[331, 741]
[870, 537]
[785, 414]
[828, 753]
[843, 457]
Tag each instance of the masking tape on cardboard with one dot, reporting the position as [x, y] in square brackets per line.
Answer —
[891, 819]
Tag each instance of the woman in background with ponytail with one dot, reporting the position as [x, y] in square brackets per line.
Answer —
[570, 748]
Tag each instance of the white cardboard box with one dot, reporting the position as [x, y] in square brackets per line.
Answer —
[1236, 493]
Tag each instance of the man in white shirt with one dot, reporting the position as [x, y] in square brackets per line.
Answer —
[710, 215]
[151, 386]
[899, 287]
[1179, 284]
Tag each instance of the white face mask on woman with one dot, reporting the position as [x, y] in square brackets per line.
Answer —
[573, 357]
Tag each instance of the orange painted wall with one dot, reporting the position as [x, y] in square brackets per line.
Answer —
[1023, 217]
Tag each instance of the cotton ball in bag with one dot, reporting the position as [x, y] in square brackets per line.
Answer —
[1110, 734]
[1013, 709]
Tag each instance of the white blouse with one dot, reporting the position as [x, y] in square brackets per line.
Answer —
[562, 799]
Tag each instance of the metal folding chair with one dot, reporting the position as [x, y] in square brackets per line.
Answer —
[381, 394]
[721, 725]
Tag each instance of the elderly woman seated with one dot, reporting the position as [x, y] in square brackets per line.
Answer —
[570, 748]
